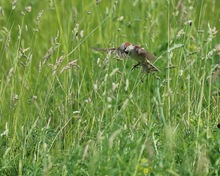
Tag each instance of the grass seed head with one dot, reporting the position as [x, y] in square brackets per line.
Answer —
[126, 85]
[95, 85]
[58, 62]
[10, 74]
[71, 64]
[2, 11]
[114, 86]
[114, 71]
[39, 17]
[28, 9]
[14, 2]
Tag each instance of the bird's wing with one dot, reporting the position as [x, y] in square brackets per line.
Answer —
[115, 51]
[146, 54]
[105, 49]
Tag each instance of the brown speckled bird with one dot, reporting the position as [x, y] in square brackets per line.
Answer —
[128, 50]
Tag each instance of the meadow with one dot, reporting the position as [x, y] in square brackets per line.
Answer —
[66, 109]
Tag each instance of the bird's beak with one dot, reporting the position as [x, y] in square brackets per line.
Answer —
[128, 49]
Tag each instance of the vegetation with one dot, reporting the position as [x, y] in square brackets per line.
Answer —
[66, 109]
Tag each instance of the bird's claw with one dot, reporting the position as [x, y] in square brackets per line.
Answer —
[135, 66]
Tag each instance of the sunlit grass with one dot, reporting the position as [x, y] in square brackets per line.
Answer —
[66, 109]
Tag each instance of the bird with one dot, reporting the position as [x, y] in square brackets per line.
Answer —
[135, 52]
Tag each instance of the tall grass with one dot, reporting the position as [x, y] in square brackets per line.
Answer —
[68, 110]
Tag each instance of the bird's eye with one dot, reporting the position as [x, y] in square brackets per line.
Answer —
[125, 51]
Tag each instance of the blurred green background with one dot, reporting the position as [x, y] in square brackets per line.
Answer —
[66, 109]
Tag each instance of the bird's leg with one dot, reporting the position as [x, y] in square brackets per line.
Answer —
[135, 66]
[142, 77]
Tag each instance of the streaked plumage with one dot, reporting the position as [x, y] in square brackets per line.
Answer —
[128, 50]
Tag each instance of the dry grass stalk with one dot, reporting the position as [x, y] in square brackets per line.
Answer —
[70, 65]
[58, 62]
[10, 74]
[215, 74]
[47, 56]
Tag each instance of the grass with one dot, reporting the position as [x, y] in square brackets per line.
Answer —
[68, 110]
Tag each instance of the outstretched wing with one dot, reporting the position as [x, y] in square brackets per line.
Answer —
[115, 51]
[105, 49]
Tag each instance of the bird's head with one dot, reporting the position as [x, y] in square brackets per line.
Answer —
[126, 47]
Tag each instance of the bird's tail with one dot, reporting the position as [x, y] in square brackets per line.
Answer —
[149, 67]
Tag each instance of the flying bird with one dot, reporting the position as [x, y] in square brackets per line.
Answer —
[135, 52]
